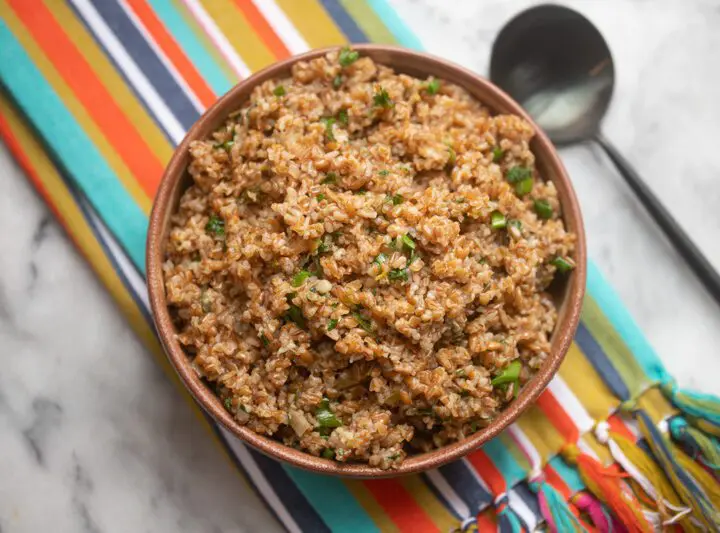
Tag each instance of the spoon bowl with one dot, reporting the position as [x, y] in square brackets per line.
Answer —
[554, 62]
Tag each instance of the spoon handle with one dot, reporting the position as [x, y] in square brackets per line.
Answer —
[682, 242]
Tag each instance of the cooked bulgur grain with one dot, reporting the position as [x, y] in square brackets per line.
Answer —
[359, 267]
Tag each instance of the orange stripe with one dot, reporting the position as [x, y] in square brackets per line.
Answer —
[174, 53]
[488, 472]
[617, 426]
[98, 101]
[400, 506]
[557, 415]
[486, 522]
[552, 477]
[263, 29]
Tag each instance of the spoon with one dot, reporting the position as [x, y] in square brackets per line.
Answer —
[554, 62]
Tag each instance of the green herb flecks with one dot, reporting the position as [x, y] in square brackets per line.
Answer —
[397, 199]
[328, 453]
[510, 374]
[265, 340]
[342, 117]
[216, 226]
[320, 197]
[332, 324]
[294, 314]
[325, 417]
[563, 264]
[348, 56]
[228, 404]
[543, 209]
[380, 259]
[497, 220]
[300, 278]
[399, 274]
[337, 82]
[498, 154]
[279, 91]
[452, 156]
[524, 187]
[433, 86]
[362, 321]
[224, 145]
[408, 242]
[518, 174]
[329, 122]
[330, 179]
[384, 172]
[382, 99]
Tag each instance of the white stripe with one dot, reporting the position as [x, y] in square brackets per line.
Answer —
[161, 56]
[259, 480]
[143, 86]
[218, 38]
[571, 405]
[283, 27]
[523, 511]
[477, 476]
[526, 444]
[441, 484]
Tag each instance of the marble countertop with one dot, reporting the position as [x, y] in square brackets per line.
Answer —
[93, 437]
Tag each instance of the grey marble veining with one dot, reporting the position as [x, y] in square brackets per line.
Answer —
[94, 438]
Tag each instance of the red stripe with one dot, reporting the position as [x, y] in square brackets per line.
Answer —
[263, 29]
[174, 53]
[488, 472]
[486, 522]
[559, 418]
[400, 506]
[552, 477]
[618, 426]
[90, 91]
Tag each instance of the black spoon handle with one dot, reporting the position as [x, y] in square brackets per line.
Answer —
[683, 244]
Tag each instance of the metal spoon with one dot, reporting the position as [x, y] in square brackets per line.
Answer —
[554, 62]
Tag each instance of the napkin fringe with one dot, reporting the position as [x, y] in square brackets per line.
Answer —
[557, 512]
[701, 410]
[697, 444]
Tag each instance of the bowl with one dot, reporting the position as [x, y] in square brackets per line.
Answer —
[568, 295]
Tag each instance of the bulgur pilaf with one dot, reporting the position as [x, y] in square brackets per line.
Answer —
[361, 263]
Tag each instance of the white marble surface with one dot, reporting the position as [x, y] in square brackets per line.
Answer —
[94, 439]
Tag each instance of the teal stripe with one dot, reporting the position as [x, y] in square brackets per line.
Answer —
[568, 474]
[504, 462]
[615, 311]
[71, 147]
[395, 24]
[333, 501]
[192, 46]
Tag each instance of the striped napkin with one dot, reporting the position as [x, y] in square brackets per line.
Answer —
[95, 95]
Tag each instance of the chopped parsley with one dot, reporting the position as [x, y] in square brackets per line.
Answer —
[279, 91]
[474, 426]
[510, 374]
[433, 86]
[300, 278]
[216, 225]
[397, 199]
[452, 156]
[382, 99]
[224, 145]
[347, 57]
[332, 324]
[384, 172]
[518, 174]
[294, 314]
[498, 153]
[563, 264]
[330, 179]
[543, 209]
[337, 82]
[329, 122]
[407, 241]
[228, 404]
[342, 117]
[320, 197]
[328, 453]
[497, 220]
[524, 187]
[380, 259]
[398, 274]
[362, 321]
[264, 340]
[325, 417]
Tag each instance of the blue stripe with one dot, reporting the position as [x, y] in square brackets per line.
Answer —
[615, 311]
[395, 24]
[466, 486]
[601, 363]
[71, 147]
[294, 501]
[439, 495]
[569, 475]
[504, 461]
[529, 499]
[332, 500]
[193, 47]
[146, 59]
[344, 21]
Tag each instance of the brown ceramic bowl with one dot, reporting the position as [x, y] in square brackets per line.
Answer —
[176, 179]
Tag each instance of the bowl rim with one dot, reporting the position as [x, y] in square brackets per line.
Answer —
[568, 316]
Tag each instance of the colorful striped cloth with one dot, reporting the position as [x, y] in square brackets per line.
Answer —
[95, 95]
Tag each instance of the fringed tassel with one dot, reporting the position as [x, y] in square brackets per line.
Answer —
[701, 447]
[705, 408]
[687, 477]
[508, 520]
[603, 521]
[553, 507]
[646, 472]
[609, 488]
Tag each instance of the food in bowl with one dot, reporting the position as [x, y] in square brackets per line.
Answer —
[361, 265]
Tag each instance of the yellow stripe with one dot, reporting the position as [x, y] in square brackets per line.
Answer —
[78, 229]
[656, 405]
[311, 20]
[512, 447]
[602, 451]
[207, 44]
[76, 108]
[587, 385]
[429, 503]
[242, 36]
[369, 22]
[541, 432]
[371, 506]
[112, 81]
